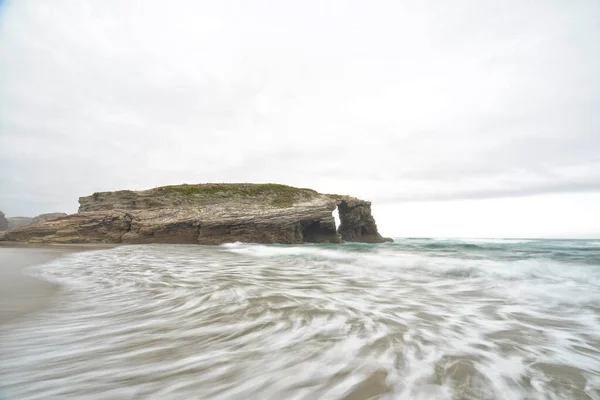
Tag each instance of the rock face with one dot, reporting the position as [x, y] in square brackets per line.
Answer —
[357, 223]
[3, 222]
[47, 217]
[209, 214]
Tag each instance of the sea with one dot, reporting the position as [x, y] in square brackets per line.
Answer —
[414, 319]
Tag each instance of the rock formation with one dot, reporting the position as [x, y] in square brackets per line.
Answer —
[357, 223]
[47, 217]
[3, 222]
[209, 214]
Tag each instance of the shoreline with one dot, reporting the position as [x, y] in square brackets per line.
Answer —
[68, 246]
[21, 294]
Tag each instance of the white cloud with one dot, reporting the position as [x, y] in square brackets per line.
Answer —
[546, 216]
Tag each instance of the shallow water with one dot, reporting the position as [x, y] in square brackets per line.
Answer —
[416, 319]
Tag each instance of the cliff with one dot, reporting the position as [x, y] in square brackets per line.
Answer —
[209, 214]
[3, 222]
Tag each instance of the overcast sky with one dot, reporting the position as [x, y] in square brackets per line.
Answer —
[463, 118]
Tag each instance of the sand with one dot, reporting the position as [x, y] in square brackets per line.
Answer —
[21, 294]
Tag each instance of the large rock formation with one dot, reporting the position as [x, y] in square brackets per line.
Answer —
[209, 214]
[3, 222]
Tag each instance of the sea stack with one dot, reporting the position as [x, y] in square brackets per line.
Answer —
[209, 214]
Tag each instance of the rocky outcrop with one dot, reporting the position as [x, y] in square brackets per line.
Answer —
[3, 222]
[209, 214]
[357, 223]
[47, 217]
[106, 227]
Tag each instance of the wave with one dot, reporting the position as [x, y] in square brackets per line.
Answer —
[314, 321]
[512, 265]
[269, 251]
[491, 240]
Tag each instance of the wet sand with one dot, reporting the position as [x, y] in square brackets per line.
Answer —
[21, 294]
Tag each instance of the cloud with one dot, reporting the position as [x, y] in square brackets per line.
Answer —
[391, 101]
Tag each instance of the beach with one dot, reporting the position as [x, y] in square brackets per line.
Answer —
[21, 294]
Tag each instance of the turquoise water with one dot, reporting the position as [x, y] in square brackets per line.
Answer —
[415, 319]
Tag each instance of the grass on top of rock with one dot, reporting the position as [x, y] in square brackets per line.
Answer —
[244, 189]
[279, 196]
[283, 201]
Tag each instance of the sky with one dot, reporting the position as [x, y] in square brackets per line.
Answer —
[456, 119]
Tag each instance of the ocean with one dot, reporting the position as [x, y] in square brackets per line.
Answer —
[414, 319]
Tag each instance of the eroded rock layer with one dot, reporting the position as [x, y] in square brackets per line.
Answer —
[47, 217]
[209, 214]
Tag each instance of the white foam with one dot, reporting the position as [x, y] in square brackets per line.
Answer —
[258, 321]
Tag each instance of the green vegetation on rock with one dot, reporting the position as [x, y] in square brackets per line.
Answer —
[283, 202]
[241, 189]
[281, 196]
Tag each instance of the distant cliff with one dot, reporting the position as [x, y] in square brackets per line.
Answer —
[18, 222]
[209, 214]
[3, 222]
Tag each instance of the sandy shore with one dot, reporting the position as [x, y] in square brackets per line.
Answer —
[21, 294]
